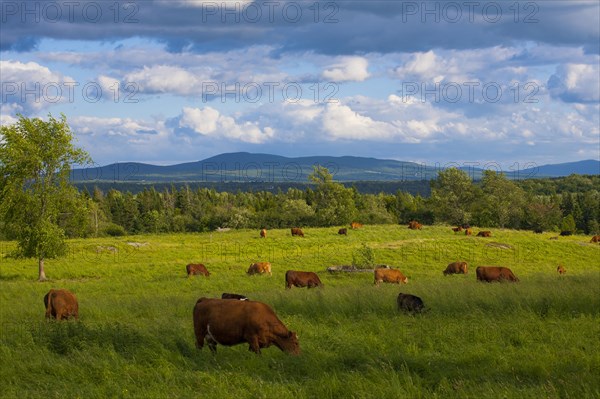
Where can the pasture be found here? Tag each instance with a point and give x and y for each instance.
(536, 338)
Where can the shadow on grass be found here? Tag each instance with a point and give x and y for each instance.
(65, 337)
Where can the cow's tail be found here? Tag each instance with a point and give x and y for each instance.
(48, 302)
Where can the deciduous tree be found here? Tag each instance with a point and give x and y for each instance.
(35, 162)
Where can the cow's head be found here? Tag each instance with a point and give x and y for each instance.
(289, 343)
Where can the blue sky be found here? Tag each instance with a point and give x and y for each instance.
(433, 82)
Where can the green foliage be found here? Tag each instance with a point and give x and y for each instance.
(37, 200)
(363, 257)
(114, 230)
(452, 196)
(568, 224)
(501, 204)
(542, 214)
(333, 203)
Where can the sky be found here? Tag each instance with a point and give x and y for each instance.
(168, 81)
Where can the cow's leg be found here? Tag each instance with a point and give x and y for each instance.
(254, 345)
(212, 345)
(200, 334)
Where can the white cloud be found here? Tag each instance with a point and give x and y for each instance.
(203, 121)
(33, 86)
(7, 113)
(209, 4)
(347, 69)
(108, 84)
(341, 122)
(576, 83)
(209, 122)
(456, 65)
(127, 128)
(165, 79)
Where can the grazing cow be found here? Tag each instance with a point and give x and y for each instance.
(259, 268)
(296, 231)
(343, 231)
(456, 268)
(484, 234)
(197, 268)
(61, 304)
(238, 297)
(595, 239)
(355, 225)
(468, 232)
(560, 269)
(410, 303)
(302, 279)
(457, 229)
(263, 233)
(389, 276)
(414, 225)
(538, 230)
(226, 322)
(566, 233)
(495, 273)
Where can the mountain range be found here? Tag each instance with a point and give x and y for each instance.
(244, 167)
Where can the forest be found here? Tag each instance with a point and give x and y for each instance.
(562, 204)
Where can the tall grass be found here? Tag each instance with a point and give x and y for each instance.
(537, 338)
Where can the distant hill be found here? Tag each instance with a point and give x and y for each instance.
(588, 167)
(244, 167)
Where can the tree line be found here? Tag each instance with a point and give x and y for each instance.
(455, 199)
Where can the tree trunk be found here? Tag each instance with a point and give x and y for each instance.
(42, 274)
(96, 222)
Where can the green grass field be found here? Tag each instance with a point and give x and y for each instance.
(539, 338)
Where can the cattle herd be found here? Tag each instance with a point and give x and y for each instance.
(234, 319)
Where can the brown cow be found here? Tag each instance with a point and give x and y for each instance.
(595, 239)
(495, 273)
(302, 279)
(343, 231)
(389, 276)
(457, 229)
(61, 304)
(238, 297)
(227, 322)
(560, 269)
(263, 233)
(468, 232)
(296, 231)
(456, 268)
(197, 268)
(355, 225)
(259, 268)
(484, 234)
(414, 225)
(410, 303)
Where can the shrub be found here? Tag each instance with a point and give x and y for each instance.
(114, 230)
(363, 257)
